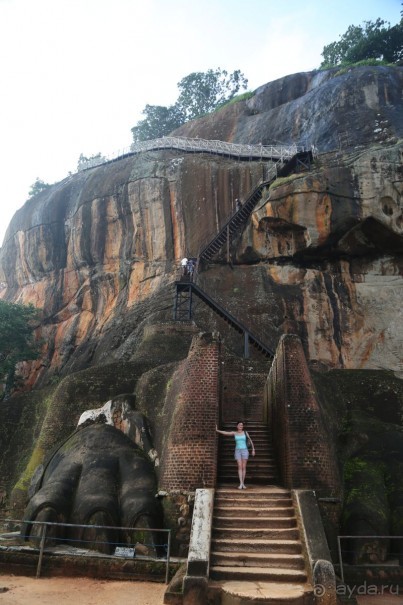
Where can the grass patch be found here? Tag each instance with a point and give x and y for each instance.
(242, 97)
(343, 68)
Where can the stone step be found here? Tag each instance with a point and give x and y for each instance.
(254, 477)
(252, 502)
(267, 574)
(256, 460)
(257, 559)
(260, 593)
(253, 433)
(260, 449)
(254, 523)
(256, 438)
(229, 458)
(253, 464)
(263, 479)
(249, 426)
(232, 544)
(261, 493)
(246, 534)
(252, 511)
(259, 455)
(229, 447)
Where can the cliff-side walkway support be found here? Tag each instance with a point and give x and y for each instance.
(183, 310)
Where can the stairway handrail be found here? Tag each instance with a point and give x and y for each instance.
(239, 150)
(206, 298)
(282, 171)
(230, 217)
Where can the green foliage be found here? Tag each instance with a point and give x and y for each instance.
(242, 97)
(16, 340)
(158, 122)
(199, 94)
(372, 40)
(366, 62)
(92, 160)
(202, 92)
(38, 186)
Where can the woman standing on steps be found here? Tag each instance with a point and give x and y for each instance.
(241, 450)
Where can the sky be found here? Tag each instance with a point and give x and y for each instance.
(75, 75)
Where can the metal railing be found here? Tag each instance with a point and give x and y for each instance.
(271, 175)
(15, 541)
(238, 150)
(374, 538)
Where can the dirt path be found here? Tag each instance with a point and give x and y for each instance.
(22, 590)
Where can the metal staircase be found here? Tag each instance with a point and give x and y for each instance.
(300, 161)
(186, 288)
(183, 312)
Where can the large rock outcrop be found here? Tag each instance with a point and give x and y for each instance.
(329, 109)
(320, 257)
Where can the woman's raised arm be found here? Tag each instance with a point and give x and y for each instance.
(228, 433)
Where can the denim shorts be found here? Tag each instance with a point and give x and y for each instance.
(241, 454)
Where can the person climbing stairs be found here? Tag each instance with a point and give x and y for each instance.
(261, 468)
(256, 547)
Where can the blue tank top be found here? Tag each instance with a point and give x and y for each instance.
(240, 441)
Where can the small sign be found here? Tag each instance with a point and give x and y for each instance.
(127, 553)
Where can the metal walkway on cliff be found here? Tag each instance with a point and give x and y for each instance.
(231, 150)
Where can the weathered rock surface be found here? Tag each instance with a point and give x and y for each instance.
(321, 255)
(99, 251)
(328, 109)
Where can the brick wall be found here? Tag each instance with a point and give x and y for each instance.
(303, 448)
(190, 456)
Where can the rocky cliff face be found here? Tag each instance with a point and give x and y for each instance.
(329, 109)
(321, 256)
(99, 251)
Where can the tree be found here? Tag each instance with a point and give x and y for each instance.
(158, 122)
(17, 342)
(372, 40)
(38, 186)
(92, 160)
(200, 93)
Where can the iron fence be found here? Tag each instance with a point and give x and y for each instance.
(16, 541)
(370, 555)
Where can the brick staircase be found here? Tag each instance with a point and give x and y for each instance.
(256, 550)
